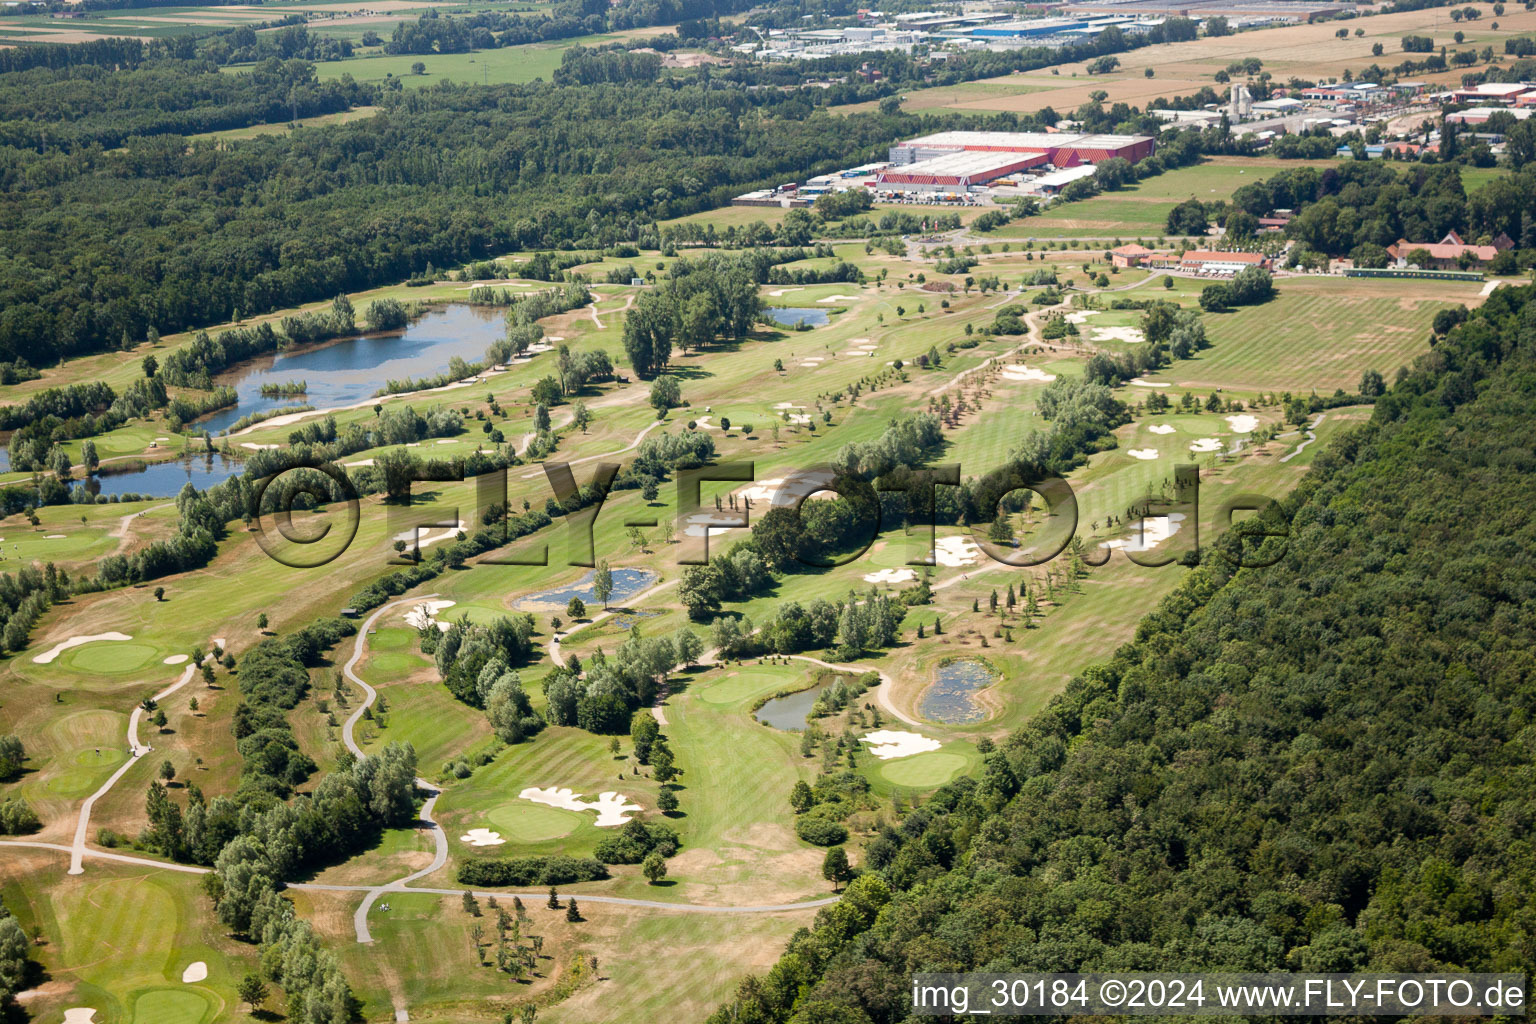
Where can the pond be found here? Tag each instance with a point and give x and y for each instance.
(626, 584)
(791, 316)
(166, 479)
(790, 712)
(352, 370)
(950, 699)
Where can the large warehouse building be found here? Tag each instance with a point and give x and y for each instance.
(1060, 149)
(958, 169)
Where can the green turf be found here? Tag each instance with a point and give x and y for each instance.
(521, 820)
(923, 771)
(171, 1006)
(111, 658)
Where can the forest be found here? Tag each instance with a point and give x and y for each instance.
(1324, 765)
(97, 251)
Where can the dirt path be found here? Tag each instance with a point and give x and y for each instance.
(121, 532)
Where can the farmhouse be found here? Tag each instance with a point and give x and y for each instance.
(1450, 253)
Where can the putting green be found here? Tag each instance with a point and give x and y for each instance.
(91, 765)
(111, 658)
(171, 1006)
(525, 822)
(925, 770)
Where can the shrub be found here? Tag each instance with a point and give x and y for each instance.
(819, 831)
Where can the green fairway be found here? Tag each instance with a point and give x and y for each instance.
(923, 771)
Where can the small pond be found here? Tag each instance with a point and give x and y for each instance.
(950, 699)
(626, 584)
(166, 479)
(789, 713)
(792, 316)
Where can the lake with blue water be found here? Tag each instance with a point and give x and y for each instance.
(352, 370)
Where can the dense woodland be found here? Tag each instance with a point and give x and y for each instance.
(1325, 765)
(100, 246)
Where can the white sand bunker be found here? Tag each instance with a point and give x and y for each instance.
(425, 613)
(1143, 453)
(779, 491)
(955, 552)
(1138, 382)
(197, 970)
(54, 536)
(1152, 531)
(1129, 335)
(838, 298)
(612, 809)
(1018, 371)
(787, 405)
(1081, 316)
(890, 576)
(1162, 428)
(447, 440)
(359, 462)
(253, 446)
(1206, 444)
(703, 423)
(175, 659)
(421, 538)
(1242, 424)
(80, 1015)
(75, 641)
(813, 361)
(799, 419)
(784, 291)
(700, 523)
(886, 744)
(482, 837)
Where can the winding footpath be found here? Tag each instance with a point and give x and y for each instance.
(440, 839)
(1311, 432)
(136, 750)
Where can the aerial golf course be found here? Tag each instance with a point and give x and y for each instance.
(743, 760)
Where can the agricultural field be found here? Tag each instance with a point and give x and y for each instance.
(987, 650)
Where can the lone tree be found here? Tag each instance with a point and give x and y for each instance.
(167, 771)
(800, 797)
(572, 912)
(554, 899)
(835, 867)
(654, 867)
(261, 620)
(666, 801)
(471, 907)
(602, 582)
(159, 720)
(252, 991)
(576, 609)
(159, 593)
